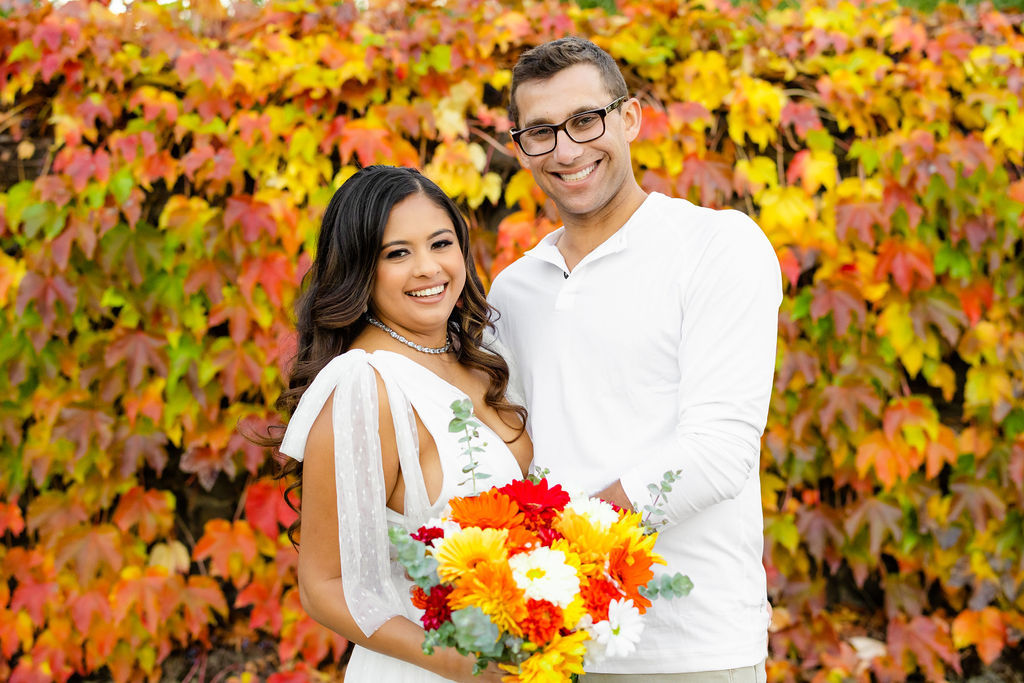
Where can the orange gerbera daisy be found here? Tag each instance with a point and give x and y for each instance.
(491, 587)
(597, 593)
(490, 510)
(631, 570)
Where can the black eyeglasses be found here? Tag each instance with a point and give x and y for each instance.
(583, 127)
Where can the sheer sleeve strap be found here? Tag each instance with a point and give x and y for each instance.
(359, 483)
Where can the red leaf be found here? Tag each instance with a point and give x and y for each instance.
(266, 508)
(206, 462)
(90, 549)
(802, 116)
(83, 426)
(265, 603)
(927, 639)
(253, 216)
(369, 143)
(910, 265)
(712, 176)
(895, 197)
(843, 301)
(850, 402)
(153, 597)
(975, 299)
(861, 217)
(202, 598)
(274, 272)
(979, 500)
(205, 66)
(44, 293)
(33, 596)
(984, 629)
(236, 361)
(881, 519)
(140, 352)
(87, 607)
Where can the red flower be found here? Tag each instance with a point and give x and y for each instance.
(548, 536)
(543, 622)
(539, 502)
(426, 534)
(434, 605)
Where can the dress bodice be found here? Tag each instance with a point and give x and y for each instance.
(366, 554)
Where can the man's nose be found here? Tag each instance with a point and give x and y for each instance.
(567, 150)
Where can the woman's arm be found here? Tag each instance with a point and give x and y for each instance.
(320, 583)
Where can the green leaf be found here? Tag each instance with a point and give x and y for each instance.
(121, 185)
(474, 632)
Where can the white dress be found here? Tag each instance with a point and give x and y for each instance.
(375, 585)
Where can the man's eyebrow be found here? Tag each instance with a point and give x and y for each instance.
(545, 122)
(395, 243)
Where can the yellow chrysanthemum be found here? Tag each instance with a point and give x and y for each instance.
(460, 552)
(562, 657)
(590, 542)
(572, 614)
(491, 587)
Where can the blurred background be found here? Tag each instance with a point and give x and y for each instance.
(163, 170)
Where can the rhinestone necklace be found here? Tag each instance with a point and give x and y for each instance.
(424, 349)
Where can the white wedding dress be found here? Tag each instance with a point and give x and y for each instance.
(375, 585)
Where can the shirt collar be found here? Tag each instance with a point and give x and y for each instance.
(547, 249)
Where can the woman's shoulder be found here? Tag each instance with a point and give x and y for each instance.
(349, 374)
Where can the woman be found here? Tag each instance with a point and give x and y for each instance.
(390, 335)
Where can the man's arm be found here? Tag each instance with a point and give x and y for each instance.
(726, 365)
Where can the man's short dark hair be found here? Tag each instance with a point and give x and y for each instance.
(544, 61)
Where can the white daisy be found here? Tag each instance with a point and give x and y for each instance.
(542, 574)
(596, 511)
(618, 635)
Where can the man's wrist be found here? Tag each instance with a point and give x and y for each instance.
(614, 493)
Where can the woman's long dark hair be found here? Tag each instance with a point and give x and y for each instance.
(336, 293)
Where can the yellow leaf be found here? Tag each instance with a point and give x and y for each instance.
(172, 556)
(755, 108)
(757, 173)
(702, 77)
(519, 189)
(787, 216)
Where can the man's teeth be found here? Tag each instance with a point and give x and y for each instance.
(579, 175)
(428, 292)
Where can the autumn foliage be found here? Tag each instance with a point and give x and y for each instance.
(164, 170)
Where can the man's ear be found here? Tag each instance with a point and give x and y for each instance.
(631, 118)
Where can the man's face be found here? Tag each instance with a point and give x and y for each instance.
(581, 178)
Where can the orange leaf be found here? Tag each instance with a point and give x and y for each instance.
(151, 511)
(229, 546)
(984, 629)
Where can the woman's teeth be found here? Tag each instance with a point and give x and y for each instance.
(431, 291)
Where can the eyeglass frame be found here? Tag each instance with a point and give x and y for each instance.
(600, 111)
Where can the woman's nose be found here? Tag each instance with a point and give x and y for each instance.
(426, 264)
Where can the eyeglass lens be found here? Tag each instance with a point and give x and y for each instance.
(584, 127)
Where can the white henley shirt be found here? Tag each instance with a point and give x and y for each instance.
(657, 353)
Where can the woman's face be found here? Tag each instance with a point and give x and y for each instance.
(420, 271)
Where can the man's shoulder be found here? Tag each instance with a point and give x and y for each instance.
(681, 220)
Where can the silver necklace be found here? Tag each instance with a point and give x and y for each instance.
(424, 349)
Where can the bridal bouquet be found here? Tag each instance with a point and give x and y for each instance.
(535, 579)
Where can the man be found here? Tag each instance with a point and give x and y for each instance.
(644, 331)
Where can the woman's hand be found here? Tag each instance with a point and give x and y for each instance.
(457, 667)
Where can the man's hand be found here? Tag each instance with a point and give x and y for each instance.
(614, 493)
